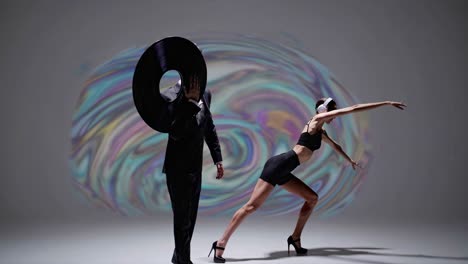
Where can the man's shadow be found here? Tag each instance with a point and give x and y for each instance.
(340, 252)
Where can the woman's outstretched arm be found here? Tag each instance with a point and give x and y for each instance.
(357, 108)
(338, 149)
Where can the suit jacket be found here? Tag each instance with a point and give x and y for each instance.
(191, 127)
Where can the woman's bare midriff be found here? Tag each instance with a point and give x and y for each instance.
(303, 153)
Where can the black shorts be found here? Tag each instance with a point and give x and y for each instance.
(278, 168)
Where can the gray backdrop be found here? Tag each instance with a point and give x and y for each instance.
(414, 51)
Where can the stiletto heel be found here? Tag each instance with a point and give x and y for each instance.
(216, 259)
(299, 250)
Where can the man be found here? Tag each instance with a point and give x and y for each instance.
(192, 125)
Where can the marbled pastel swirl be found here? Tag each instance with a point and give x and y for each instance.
(263, 94)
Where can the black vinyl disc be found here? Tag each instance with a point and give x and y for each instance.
(172, 53)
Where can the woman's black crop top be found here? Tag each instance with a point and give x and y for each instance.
(310, 141)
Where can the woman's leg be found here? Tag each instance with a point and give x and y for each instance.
(299, 188)
(260, 193)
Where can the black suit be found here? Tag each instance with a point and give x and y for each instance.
(183, 164)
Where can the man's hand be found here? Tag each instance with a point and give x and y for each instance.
(193, 91)
(220, 168)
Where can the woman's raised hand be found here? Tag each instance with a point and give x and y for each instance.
(398, 105)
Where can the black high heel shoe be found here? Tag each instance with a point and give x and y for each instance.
(299, 250)
(216, 259)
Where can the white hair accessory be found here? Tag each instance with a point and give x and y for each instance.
(323, 107)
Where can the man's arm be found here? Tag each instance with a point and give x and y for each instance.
(211, 139)
(211, 136)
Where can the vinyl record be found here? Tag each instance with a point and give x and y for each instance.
(172, 53)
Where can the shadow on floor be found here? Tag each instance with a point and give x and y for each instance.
(341, 252)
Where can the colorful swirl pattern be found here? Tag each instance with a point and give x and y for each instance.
(263, 94)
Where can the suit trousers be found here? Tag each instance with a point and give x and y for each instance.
(184, 190)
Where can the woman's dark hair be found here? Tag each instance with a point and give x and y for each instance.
(330, 106)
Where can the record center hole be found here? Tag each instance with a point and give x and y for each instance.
(169, 79)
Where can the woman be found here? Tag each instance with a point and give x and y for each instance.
(277, 171)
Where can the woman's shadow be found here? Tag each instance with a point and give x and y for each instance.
(339, 252)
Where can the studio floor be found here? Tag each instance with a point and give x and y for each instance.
(258, 240)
